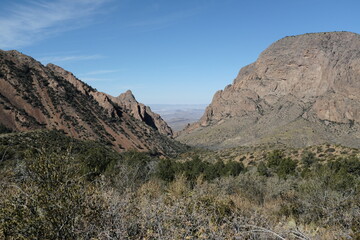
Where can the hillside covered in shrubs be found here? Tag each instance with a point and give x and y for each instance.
(55, 187)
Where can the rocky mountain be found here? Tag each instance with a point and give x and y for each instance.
(302, 90)
(33, 96)
(142, 112)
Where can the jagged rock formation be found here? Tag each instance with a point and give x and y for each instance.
(125, 100)
(302, 90)
(142, 112)
(34, 96)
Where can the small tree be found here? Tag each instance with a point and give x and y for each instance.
(308, 158)
(281, 165)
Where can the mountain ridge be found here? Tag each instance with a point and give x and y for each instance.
(34, 96)
(312, 79)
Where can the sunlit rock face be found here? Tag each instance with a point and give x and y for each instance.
(313, 79)
(34, 96)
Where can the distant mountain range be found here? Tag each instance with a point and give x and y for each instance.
(302, 90)
(33, 96)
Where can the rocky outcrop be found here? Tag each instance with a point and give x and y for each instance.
(312, 78)
(125, 100)
(34, 96)
(142, 112)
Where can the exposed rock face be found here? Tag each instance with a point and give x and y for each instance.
(34, 96)
(311, 79)
(125, 100)
(142, 112)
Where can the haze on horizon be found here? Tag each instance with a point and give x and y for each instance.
(166, 52)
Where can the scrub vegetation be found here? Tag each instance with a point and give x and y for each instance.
(55, 187)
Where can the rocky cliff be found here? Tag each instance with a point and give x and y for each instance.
(302, 90)
(34, 96)
(125, 100)
(142, 112)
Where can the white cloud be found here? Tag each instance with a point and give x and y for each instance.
(54, 59)
(24, 24)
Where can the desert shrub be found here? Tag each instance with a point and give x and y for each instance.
(350, 165)
(263, 170)
(252, 186)
(233, 168)
(274, 158)
(51, 202)
(168, 169)
(192, 169)
(130, 170)
(281, 166)
(142, 164)
(308, 158)
(48, 195)
(326, 197)
(96, 159)
(287, 167)
(200, 212)
(213, 171)
(320, 204)
(306, 172)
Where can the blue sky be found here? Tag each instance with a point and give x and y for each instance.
(165, 51)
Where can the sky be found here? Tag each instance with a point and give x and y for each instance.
(165, 51)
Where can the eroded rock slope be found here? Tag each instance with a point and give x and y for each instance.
(302, 90)
(33, 96)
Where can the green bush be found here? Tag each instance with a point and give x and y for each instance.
(350, 165)
(281, 166)
(168, 169)
(233, 168)
(96, 160)
(274, 158)
(308, 158)
(287, 167)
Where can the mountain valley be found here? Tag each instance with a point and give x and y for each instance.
(276, 155)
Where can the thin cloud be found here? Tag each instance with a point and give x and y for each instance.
(100, 72)
(24, 24)
(164, 21)
(54, 59)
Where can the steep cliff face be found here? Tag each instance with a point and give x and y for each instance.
(142, 112)
(34, 96)
(309, 82)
